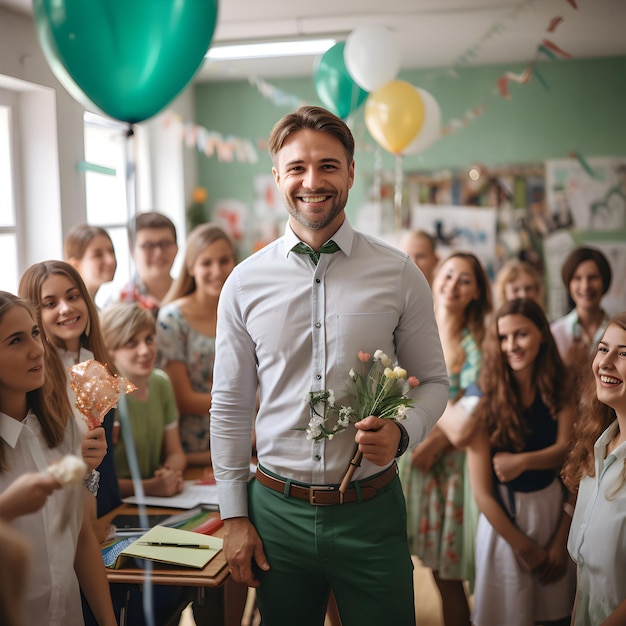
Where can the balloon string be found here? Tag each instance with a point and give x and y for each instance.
(397, 196)
(135, 474)
(131, 200)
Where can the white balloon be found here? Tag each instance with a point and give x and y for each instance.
(431, 128)
(372, 56)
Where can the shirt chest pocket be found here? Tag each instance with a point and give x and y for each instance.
(365, 332)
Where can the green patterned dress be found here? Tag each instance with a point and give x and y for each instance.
(441, 510)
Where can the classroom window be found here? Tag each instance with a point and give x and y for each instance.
(106, 165)
(8, 227)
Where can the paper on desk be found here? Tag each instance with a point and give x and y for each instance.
(191, 496)
(189, 557)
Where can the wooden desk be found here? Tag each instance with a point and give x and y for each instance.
(214, 574)
(227, 598)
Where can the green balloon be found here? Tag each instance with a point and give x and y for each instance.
(334, 85)
(129, 58)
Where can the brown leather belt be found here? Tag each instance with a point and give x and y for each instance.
(325, 495)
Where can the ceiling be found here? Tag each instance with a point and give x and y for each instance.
(429, 33)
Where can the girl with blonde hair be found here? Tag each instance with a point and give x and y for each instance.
(518, 279)
(186, 333)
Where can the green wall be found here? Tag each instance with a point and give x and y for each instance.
(580, 110)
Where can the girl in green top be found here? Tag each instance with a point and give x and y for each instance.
(129, 333)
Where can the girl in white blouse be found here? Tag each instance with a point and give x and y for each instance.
(35, 431)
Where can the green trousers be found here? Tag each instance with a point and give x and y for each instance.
(359, 550)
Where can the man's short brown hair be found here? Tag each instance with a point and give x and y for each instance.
(310, 118)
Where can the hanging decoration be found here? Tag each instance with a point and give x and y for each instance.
(521, 78)
(211, 143)
(279, 97)
(553, 51)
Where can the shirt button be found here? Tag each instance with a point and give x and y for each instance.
(318, 325)
(319, 377)
(317, 457)
(318, 281)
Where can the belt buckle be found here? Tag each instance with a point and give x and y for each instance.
(313, 489)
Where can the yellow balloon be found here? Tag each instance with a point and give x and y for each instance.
(394, 114)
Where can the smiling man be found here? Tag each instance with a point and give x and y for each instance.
(291, 320)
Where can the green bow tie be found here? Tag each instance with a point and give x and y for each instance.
(328, 248)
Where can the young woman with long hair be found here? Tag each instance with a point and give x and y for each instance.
(595, 469)
(440, 507)
(186, 333)
(68, 320)
(523, 427)
(37, 430)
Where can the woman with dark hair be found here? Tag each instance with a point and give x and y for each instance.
(586, 275)
(595, 468)
(523, 426)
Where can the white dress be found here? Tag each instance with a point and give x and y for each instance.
(512, 595)
(597, 537)
(505, 593)
(52, 595)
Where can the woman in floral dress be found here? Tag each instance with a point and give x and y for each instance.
(440, 507)
(186, 333)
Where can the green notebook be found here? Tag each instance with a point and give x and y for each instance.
(184, 551)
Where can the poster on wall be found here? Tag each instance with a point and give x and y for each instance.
(615, 251)
(269, 213)
(590, 196)
(470, 229)
(593, 195)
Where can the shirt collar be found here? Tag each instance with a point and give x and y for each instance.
(574, 324)
(10, 429)
(343, 237)
(601, 444)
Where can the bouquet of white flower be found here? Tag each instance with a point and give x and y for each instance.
(377, 389)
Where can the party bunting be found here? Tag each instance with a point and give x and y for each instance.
(546, 47)
(211, 143)
(554, 23)
(458, 123)
(277, 96)
(546, 43)
(540, 78)
(522, 78)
